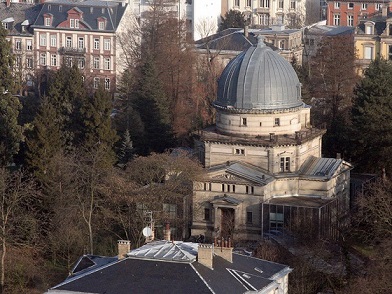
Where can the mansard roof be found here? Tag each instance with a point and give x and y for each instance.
(90, 11)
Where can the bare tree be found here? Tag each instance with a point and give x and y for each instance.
(16, 190)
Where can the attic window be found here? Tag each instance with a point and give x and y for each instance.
(369, 29)
(48, 21)
(49, 7)
(60, 8)
(101, 25)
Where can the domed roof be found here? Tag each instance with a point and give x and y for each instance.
(259, 79)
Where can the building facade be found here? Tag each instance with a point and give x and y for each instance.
(349, 12)
(202, 17)
(263, 156)
(372, 39)
(264, 13)
(66, 32)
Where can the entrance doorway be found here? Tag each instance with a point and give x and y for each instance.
(227, 223)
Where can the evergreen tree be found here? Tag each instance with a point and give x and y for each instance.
(96, 122)
(66, 90)
(372, 119)
(126, 148)
(10, 131)
(152, 104)
(232, 19)
(44, 140)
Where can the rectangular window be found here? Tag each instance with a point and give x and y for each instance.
(107, 44)
(249, 217)
(284, 164)
(53, 60)
(223, 187)
(96, 44)
(68, 42)
(277, 122)
(76, 23)
(250, 190)
(239, 151)
(248, 3)
(29, 45)
(18, 44)
(244, 121)
(170, 210)
(207, 186)
(368, 52)
(42, 40)
(18, 61)
(237, 3)
(207, 214)
(265, 3)
(336, 19)
(350, 20)
(364, 6)
(264, 19)
(280, 5)
(390, 52)
(96, 83)
(96, 63)
(81, 63)
(101, 25)
(350, 5)
(53, 40)
(72, 23)
(29, 62)
(81, 43)
(107, 64)
(47, 21)
(292, 4)
(337, 5)
(378, 6)
(42, 59)
(107, 84)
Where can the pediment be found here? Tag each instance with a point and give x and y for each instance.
(229, 177)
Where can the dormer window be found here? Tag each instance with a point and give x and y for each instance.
(60, 8)
(101, 25)
(74, 23)
(369, 28)
(47, 21)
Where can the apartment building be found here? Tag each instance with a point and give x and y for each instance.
(202, 16)
(264, 13)
(44, 36)
(349, 12)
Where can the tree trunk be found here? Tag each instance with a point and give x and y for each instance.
(2, 269)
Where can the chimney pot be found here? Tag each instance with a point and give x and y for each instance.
(124, 246)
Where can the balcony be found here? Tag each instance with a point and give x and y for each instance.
(72, 51)
(262, 10)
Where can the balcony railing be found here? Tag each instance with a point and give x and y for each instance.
(72, 51)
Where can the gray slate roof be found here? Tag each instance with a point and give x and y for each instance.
(149, 269)
(20, 12)
(92, 10)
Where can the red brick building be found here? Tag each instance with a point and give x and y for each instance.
(349, 12)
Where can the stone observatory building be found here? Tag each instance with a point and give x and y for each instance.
(264, 167)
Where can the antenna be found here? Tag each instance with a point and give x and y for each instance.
(148, 231)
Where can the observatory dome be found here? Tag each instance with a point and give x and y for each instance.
(259, 79)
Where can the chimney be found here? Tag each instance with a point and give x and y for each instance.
(205, 254)
(338, 156)
(246, 31)
(124, 247)
(224, 249)
(8, 3)
(166, 232)
(272, 137)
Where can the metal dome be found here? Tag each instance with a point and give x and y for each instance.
(259, 79)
